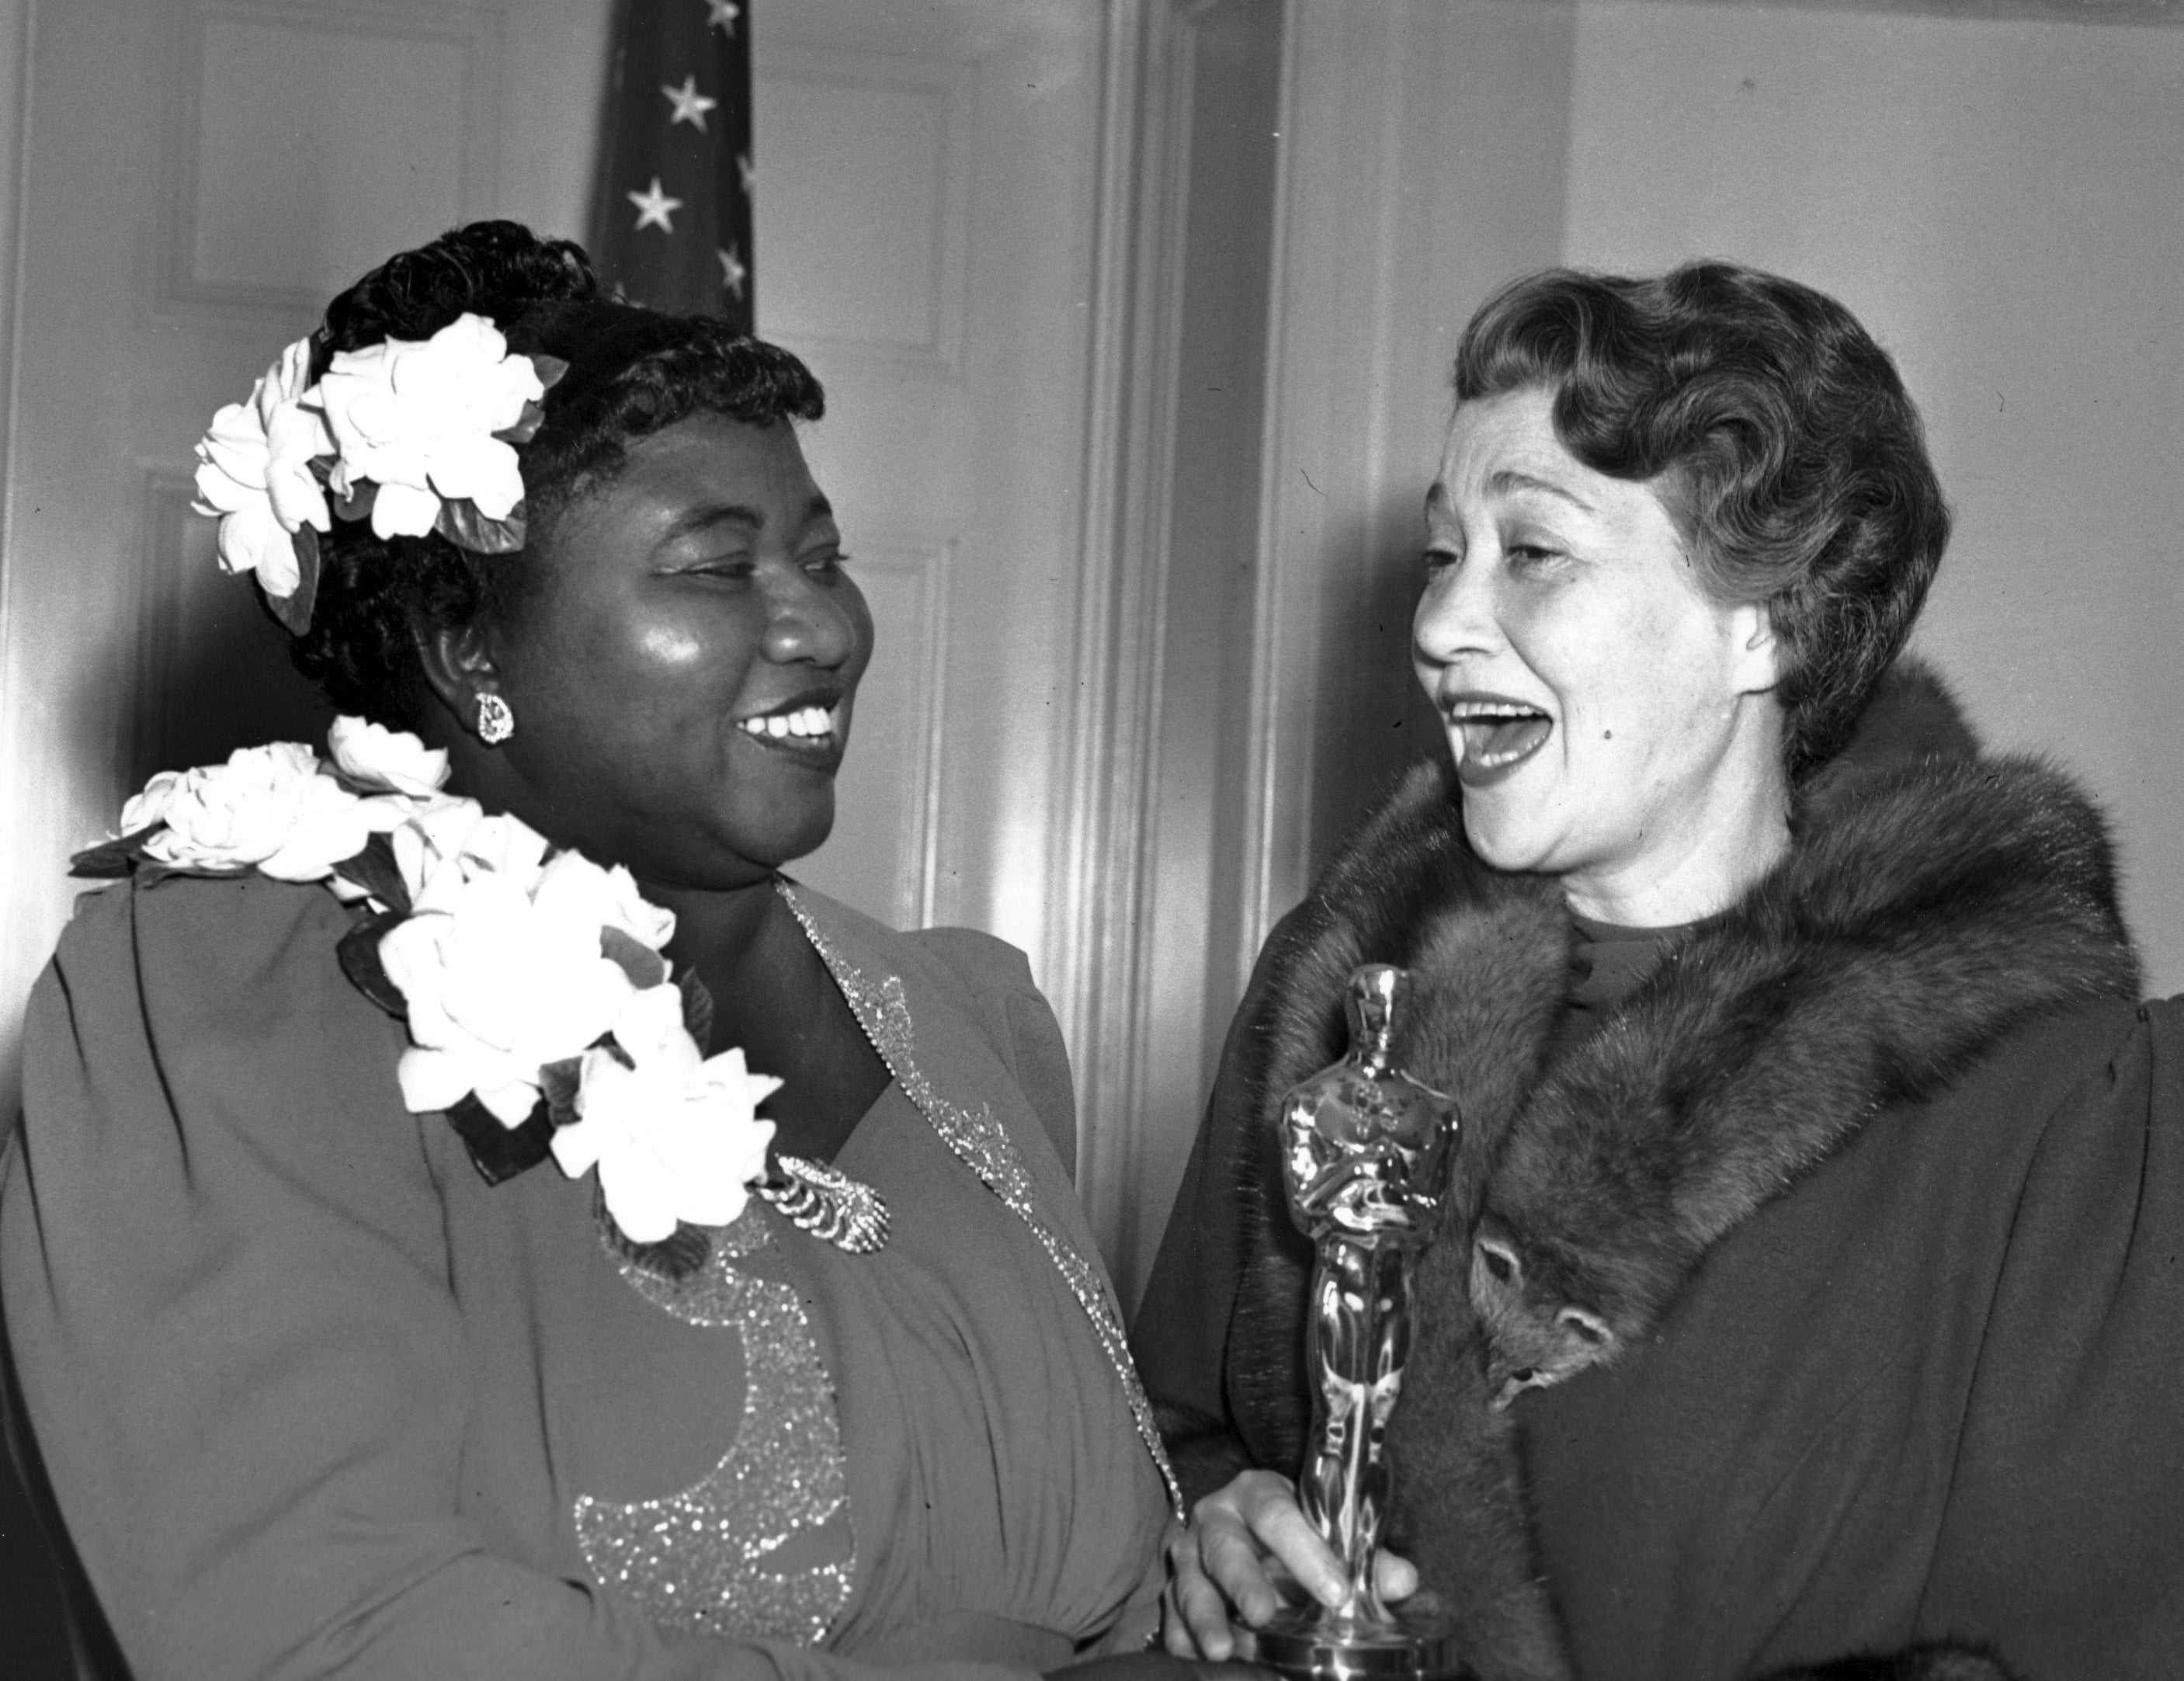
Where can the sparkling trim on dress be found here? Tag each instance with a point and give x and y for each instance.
(828, 1204)
(695, 1560)
(882, 1009)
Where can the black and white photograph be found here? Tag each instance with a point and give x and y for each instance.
(1092, 840)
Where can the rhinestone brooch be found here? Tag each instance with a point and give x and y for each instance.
(830, 1205)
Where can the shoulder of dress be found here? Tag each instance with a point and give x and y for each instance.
(966, 957)
(219, 916)
(2070, 1071)
(212, 950)
(2118, 1046)
(983, 961)
(214, 1010)
(2087, 1036)
(2164, 1018)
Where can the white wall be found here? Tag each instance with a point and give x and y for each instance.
(2001, 200)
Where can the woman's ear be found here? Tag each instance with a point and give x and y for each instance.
(459, 665)
(1755, 652)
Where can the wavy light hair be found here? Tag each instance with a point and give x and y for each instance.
(1779, 437)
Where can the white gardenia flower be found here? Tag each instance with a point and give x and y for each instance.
(391, 761)
(456, 834)
(150, 806)
(676, 1138)
(267, 808)
(255, 472)
(295, 432)
(502, 969)
(251, 540)
(575, 888)
(418, 419)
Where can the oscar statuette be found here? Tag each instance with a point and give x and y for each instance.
(1366, 1152)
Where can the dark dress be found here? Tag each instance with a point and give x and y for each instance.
(315, 1399)
(1917, 1457)
(1924, 1383)
(1936, 1393)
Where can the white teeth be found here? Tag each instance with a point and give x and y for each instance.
(1473, 749)
(805, 721)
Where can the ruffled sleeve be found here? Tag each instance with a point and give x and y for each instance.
(225, 1265)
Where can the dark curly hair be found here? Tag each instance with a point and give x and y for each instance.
(631, 371)
(1782, 441)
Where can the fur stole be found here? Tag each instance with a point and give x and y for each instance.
(1931, 900)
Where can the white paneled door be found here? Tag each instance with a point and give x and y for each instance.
(927, 193)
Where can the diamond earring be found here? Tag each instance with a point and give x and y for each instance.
(495, 722)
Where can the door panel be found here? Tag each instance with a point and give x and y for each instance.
(927, 183)
(884, 856)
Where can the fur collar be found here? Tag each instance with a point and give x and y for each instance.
(1931, 900)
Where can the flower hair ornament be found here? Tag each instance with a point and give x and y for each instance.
(542, 1018)
(416, 435)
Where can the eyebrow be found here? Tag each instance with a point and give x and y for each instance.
(1504, 482)
(705, 517)
(1507, 480)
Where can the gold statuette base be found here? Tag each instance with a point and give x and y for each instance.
(1309, 1643)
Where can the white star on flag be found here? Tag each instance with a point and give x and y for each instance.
(655, 208)
(690, 105)
(750, 176)
(698, 59)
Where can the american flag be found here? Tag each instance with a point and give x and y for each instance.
(672, 226)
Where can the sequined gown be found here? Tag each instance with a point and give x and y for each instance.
(311, 1397)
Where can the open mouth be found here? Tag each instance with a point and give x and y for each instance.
(1498, 734)
(804, 728)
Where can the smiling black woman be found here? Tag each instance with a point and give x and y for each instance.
(565, 1247)
(684, 655)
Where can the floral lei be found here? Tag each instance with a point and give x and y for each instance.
(542, 1018)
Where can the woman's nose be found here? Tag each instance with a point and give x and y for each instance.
(809, 623)
(1456, 614)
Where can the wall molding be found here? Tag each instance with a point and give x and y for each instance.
(930, 562)
(1335, 454)
(177, 291)
(955, 81)
(25, 896)
(1098, 936)
(1278, 739)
